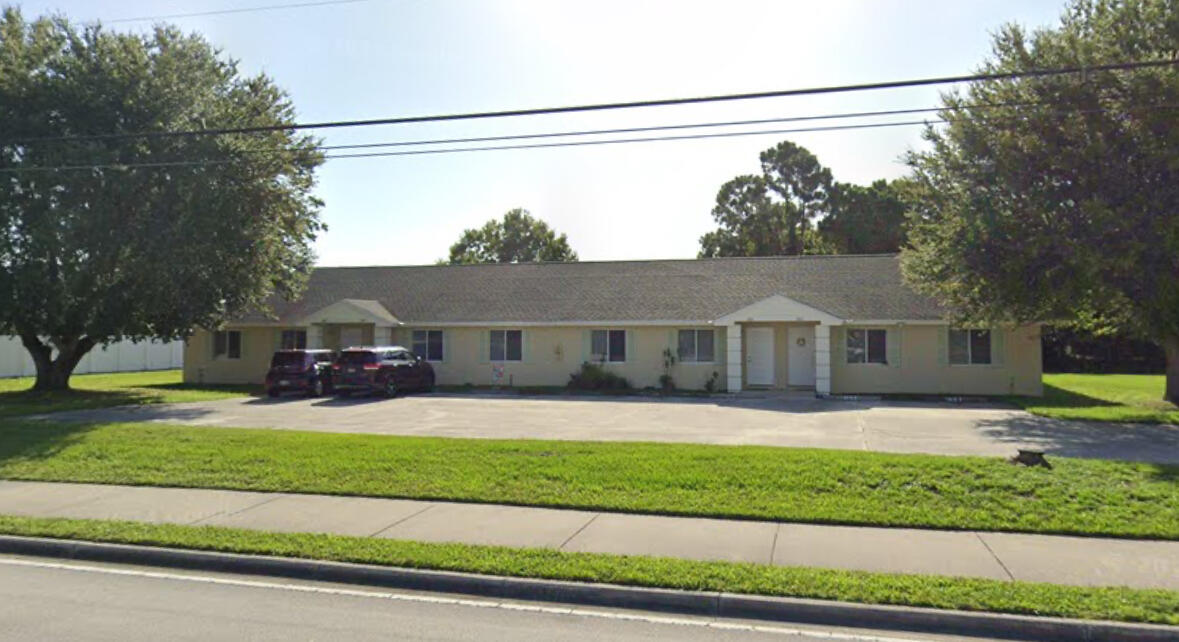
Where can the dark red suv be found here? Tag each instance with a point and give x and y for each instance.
(307, 371)
(385, 369)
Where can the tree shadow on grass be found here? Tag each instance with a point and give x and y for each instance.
(35, 440)
(18, 403)
(253, 390)
(27, 402)
(1056, 397)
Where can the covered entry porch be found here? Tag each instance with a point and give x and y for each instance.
(778, 344)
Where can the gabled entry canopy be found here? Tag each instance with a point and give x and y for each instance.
(352, 311)
(778, 308)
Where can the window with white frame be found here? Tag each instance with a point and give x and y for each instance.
(696, 346)
(608, 345)
(427, 344)
(970, 347)
(227, 344)
(866, 345)
(294, 339)
(507, 345)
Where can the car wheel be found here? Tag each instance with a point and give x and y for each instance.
(428, 386)
(316, 388)
(390, 387)
(272, 392)
(343, 393)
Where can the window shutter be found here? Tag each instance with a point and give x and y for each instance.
(838, 345)
(630, 346)
(586, 345)
(998, 353)
(484, 346)
(445, 345)
(525, 339)
(893, 346)
(673, 343)
(943, 345)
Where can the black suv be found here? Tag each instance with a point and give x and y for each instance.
(307, 371)
(386, 369)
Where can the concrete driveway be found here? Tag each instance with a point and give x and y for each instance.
(902, 427)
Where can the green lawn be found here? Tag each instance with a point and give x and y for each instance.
(789, 484)
(1096, 603)
(1103, 397)
(114, 389)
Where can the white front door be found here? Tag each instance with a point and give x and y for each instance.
(759, 356)
(800, 355)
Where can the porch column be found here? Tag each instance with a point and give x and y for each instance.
(822, 359)
(733, 361)
(314, 336)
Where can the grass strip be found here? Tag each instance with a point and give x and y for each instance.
(113, 389)
(1094, 603)
(1089, 497)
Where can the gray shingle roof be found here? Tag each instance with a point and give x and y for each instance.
(849, 287)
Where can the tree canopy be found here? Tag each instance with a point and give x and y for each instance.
(106, 235)
(1062, 202)
(795, 207)
(865, 220)
(517, 238)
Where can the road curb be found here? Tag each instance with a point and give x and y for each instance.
(728, 605)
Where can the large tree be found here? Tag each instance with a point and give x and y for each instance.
(1064, 204)
(770, 214)
(517, 238)
(106, 235)
(865, 220)
(796, 176)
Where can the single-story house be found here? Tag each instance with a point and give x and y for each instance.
(832, 324)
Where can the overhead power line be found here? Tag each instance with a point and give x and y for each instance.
(665, 102)
(460, 150)
(201, 14)
(455, 150)
(181, 163)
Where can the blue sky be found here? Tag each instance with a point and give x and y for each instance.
(381, 58)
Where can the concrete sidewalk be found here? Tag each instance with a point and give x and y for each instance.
(1002, 556)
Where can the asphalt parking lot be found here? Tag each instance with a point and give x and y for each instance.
(884, 426)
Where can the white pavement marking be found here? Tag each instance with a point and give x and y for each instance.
(427, 599)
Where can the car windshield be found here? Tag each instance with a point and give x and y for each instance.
(287, 359)
(358, 357)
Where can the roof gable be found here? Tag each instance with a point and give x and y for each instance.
(778, 308)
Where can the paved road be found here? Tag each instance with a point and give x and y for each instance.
(935, 428)
(55, 600)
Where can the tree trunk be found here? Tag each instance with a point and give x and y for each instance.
(1171, 347)
(54, 373)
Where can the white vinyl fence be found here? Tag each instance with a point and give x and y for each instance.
(124, 356)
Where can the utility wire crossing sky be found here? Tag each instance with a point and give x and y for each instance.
(349, 61)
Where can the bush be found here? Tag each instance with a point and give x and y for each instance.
(666, 383)
(594, 377)
(711, 384)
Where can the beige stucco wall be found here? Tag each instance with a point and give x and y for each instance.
(923, 368)
(258, 344)
(551, 354)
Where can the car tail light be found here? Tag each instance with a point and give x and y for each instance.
(371, 366)
(335, 366)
